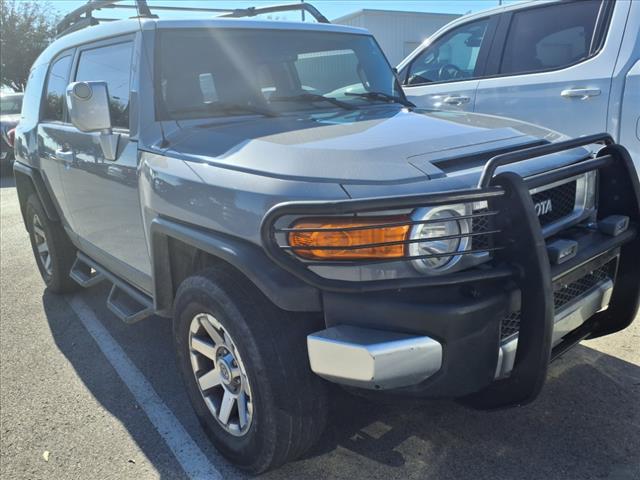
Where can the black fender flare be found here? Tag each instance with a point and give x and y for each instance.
(283, 289)
(29, 179)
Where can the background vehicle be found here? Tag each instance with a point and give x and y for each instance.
(275, 194)
(573, 66)
(10, 106)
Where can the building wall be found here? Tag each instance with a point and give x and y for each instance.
(398, 33)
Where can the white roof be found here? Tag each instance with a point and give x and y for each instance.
(128, 26)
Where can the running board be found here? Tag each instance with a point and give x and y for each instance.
(127, 302)
(84, 273)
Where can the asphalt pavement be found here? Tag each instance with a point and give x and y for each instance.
(84, 396)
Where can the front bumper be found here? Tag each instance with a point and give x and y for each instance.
(378, 359)
(459, 318)
(467, 332)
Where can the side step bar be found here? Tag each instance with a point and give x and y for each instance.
(84, 274)
(128, 303)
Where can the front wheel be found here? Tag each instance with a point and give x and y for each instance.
(244, 363)
(53, 251)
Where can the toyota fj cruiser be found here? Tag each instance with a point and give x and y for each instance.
(269, 187)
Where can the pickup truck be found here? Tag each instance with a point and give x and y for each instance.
(569, 65)
(268, 187)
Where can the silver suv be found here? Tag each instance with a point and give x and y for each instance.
(268, 187)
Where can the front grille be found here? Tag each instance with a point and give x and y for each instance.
(481, 225)
(562, 198)
(562, 202)
(564, 293)
(510, 325)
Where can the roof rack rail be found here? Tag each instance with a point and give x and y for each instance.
(82, 17)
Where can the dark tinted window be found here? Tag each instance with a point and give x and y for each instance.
(550, 37)
(451, 57)
(111, 64)
(56, 85)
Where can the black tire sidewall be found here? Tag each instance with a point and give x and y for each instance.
(252, 450)
(34, 208)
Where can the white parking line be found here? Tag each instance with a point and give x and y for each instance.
(195, 463)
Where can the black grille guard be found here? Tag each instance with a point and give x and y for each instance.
(518, 248)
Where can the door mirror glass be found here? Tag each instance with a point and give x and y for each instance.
(88, 106)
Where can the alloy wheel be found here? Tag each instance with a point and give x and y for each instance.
(42, 246)
(220, 374)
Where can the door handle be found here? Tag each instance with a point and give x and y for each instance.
(581, 93)
(456, 99)
(65, 155)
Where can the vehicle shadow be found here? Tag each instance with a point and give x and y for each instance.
(585, 424)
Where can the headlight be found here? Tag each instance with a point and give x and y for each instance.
(440, 233)
(351, 238)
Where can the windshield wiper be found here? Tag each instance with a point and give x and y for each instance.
(243, 107)
(312, 97)
(382, 96)
(223, 107)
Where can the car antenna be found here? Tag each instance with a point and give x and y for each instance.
(164, 143)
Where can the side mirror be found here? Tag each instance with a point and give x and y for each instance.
(88, 107)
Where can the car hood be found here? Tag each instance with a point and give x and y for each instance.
(383, 145)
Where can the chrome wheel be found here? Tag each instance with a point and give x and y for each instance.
(42, 246)
(220, 374)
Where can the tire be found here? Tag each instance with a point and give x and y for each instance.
(286, 406)
(56, 264)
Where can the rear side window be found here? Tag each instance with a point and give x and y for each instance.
(110, 64)
(56, 86)
(550, 37)
(31, 100)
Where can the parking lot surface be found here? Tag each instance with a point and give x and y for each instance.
(85, 396)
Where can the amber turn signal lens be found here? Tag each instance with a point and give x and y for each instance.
(321, 238)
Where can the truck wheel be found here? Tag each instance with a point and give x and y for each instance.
(245, 366)
(52, 249)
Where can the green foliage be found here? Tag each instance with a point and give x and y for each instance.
(26, 28)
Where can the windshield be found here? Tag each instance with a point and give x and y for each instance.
(10, 104)
(206, 72)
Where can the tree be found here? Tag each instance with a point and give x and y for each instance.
(26, 28)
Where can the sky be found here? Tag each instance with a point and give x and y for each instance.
(330, 8)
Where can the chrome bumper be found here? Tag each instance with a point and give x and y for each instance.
(373, 359)
(566, 320)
